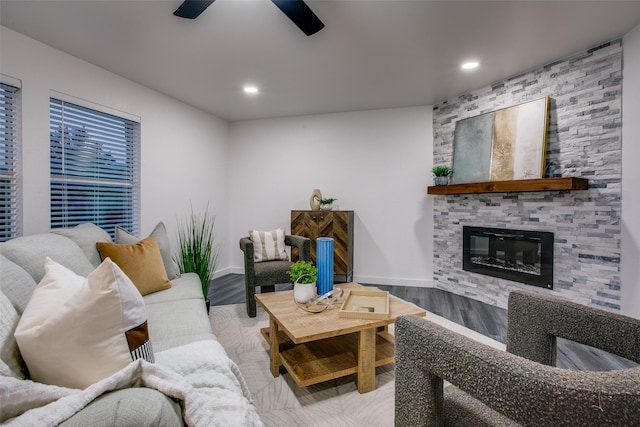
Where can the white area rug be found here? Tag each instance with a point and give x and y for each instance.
(280, 402)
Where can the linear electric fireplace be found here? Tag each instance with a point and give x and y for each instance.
(518, 255)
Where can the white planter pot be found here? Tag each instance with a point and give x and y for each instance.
(303, 292)
(441, 180)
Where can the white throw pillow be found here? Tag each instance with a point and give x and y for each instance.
(76, 331)
(268, 245)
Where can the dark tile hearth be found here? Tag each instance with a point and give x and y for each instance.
(476, 315)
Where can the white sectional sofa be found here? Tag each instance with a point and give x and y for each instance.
(192, 380)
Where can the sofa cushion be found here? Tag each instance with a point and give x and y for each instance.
(178, 315)
(141, 261)
(160, 234)
(268, 245)
(16, 284)
(86, 236)
(11, 363)
(76, 331)
(30, 252)
(138, 406)
(181, 288)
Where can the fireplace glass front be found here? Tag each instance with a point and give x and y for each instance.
(518, 255)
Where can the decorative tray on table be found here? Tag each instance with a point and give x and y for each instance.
(365, 303)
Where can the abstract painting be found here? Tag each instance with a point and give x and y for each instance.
(503, 145)
(472, 149)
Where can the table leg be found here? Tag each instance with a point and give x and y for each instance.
(275, 347)
(367, 360)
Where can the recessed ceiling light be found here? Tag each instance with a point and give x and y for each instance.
(470, 65)
(251, 90)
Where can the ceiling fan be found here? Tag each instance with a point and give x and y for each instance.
(296, 10)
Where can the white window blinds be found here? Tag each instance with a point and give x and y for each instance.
(10, 195)
(94, 168)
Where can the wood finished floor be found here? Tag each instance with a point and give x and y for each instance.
(478, 316)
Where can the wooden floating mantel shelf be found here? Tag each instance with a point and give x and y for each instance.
(515, 186)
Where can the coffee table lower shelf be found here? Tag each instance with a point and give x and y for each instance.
(318, 361)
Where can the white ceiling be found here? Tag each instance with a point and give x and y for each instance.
(371, 54)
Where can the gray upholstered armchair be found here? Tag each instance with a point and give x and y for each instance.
(267, 274)
(520, 386)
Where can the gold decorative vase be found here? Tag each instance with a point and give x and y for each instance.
(314, 200)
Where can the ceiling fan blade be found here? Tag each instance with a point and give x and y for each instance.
(191, 9)
(301, 15)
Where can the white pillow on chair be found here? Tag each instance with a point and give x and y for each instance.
(269, 245)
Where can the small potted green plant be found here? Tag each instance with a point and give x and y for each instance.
(303, 276)
(327, 204)
(441, 174)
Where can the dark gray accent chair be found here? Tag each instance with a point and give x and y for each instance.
(521, 386)
(267, 274)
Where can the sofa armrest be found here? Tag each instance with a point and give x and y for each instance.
(302, 243)
(534, 322)
(525, 391)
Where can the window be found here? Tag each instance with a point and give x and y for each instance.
(94, 168)
(10, 195)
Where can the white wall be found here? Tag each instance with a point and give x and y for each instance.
(630, 259)
(376, 163)
(184, 151)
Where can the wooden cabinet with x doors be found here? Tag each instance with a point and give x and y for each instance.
(335, 224)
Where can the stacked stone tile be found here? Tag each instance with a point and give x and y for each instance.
(584, 140)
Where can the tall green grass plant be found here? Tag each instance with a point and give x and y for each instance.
(196, 250)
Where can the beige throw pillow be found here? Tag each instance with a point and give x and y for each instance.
(160, 233)
(142, 262)
(76, 331)
(268, 245)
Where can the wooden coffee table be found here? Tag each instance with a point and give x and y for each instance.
(319, 347)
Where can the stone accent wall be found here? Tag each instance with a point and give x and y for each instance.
(584, 140)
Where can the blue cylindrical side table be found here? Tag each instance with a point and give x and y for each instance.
(324, 262)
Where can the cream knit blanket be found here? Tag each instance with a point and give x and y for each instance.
(209, 384)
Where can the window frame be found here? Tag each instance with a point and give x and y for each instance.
(94, 157)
